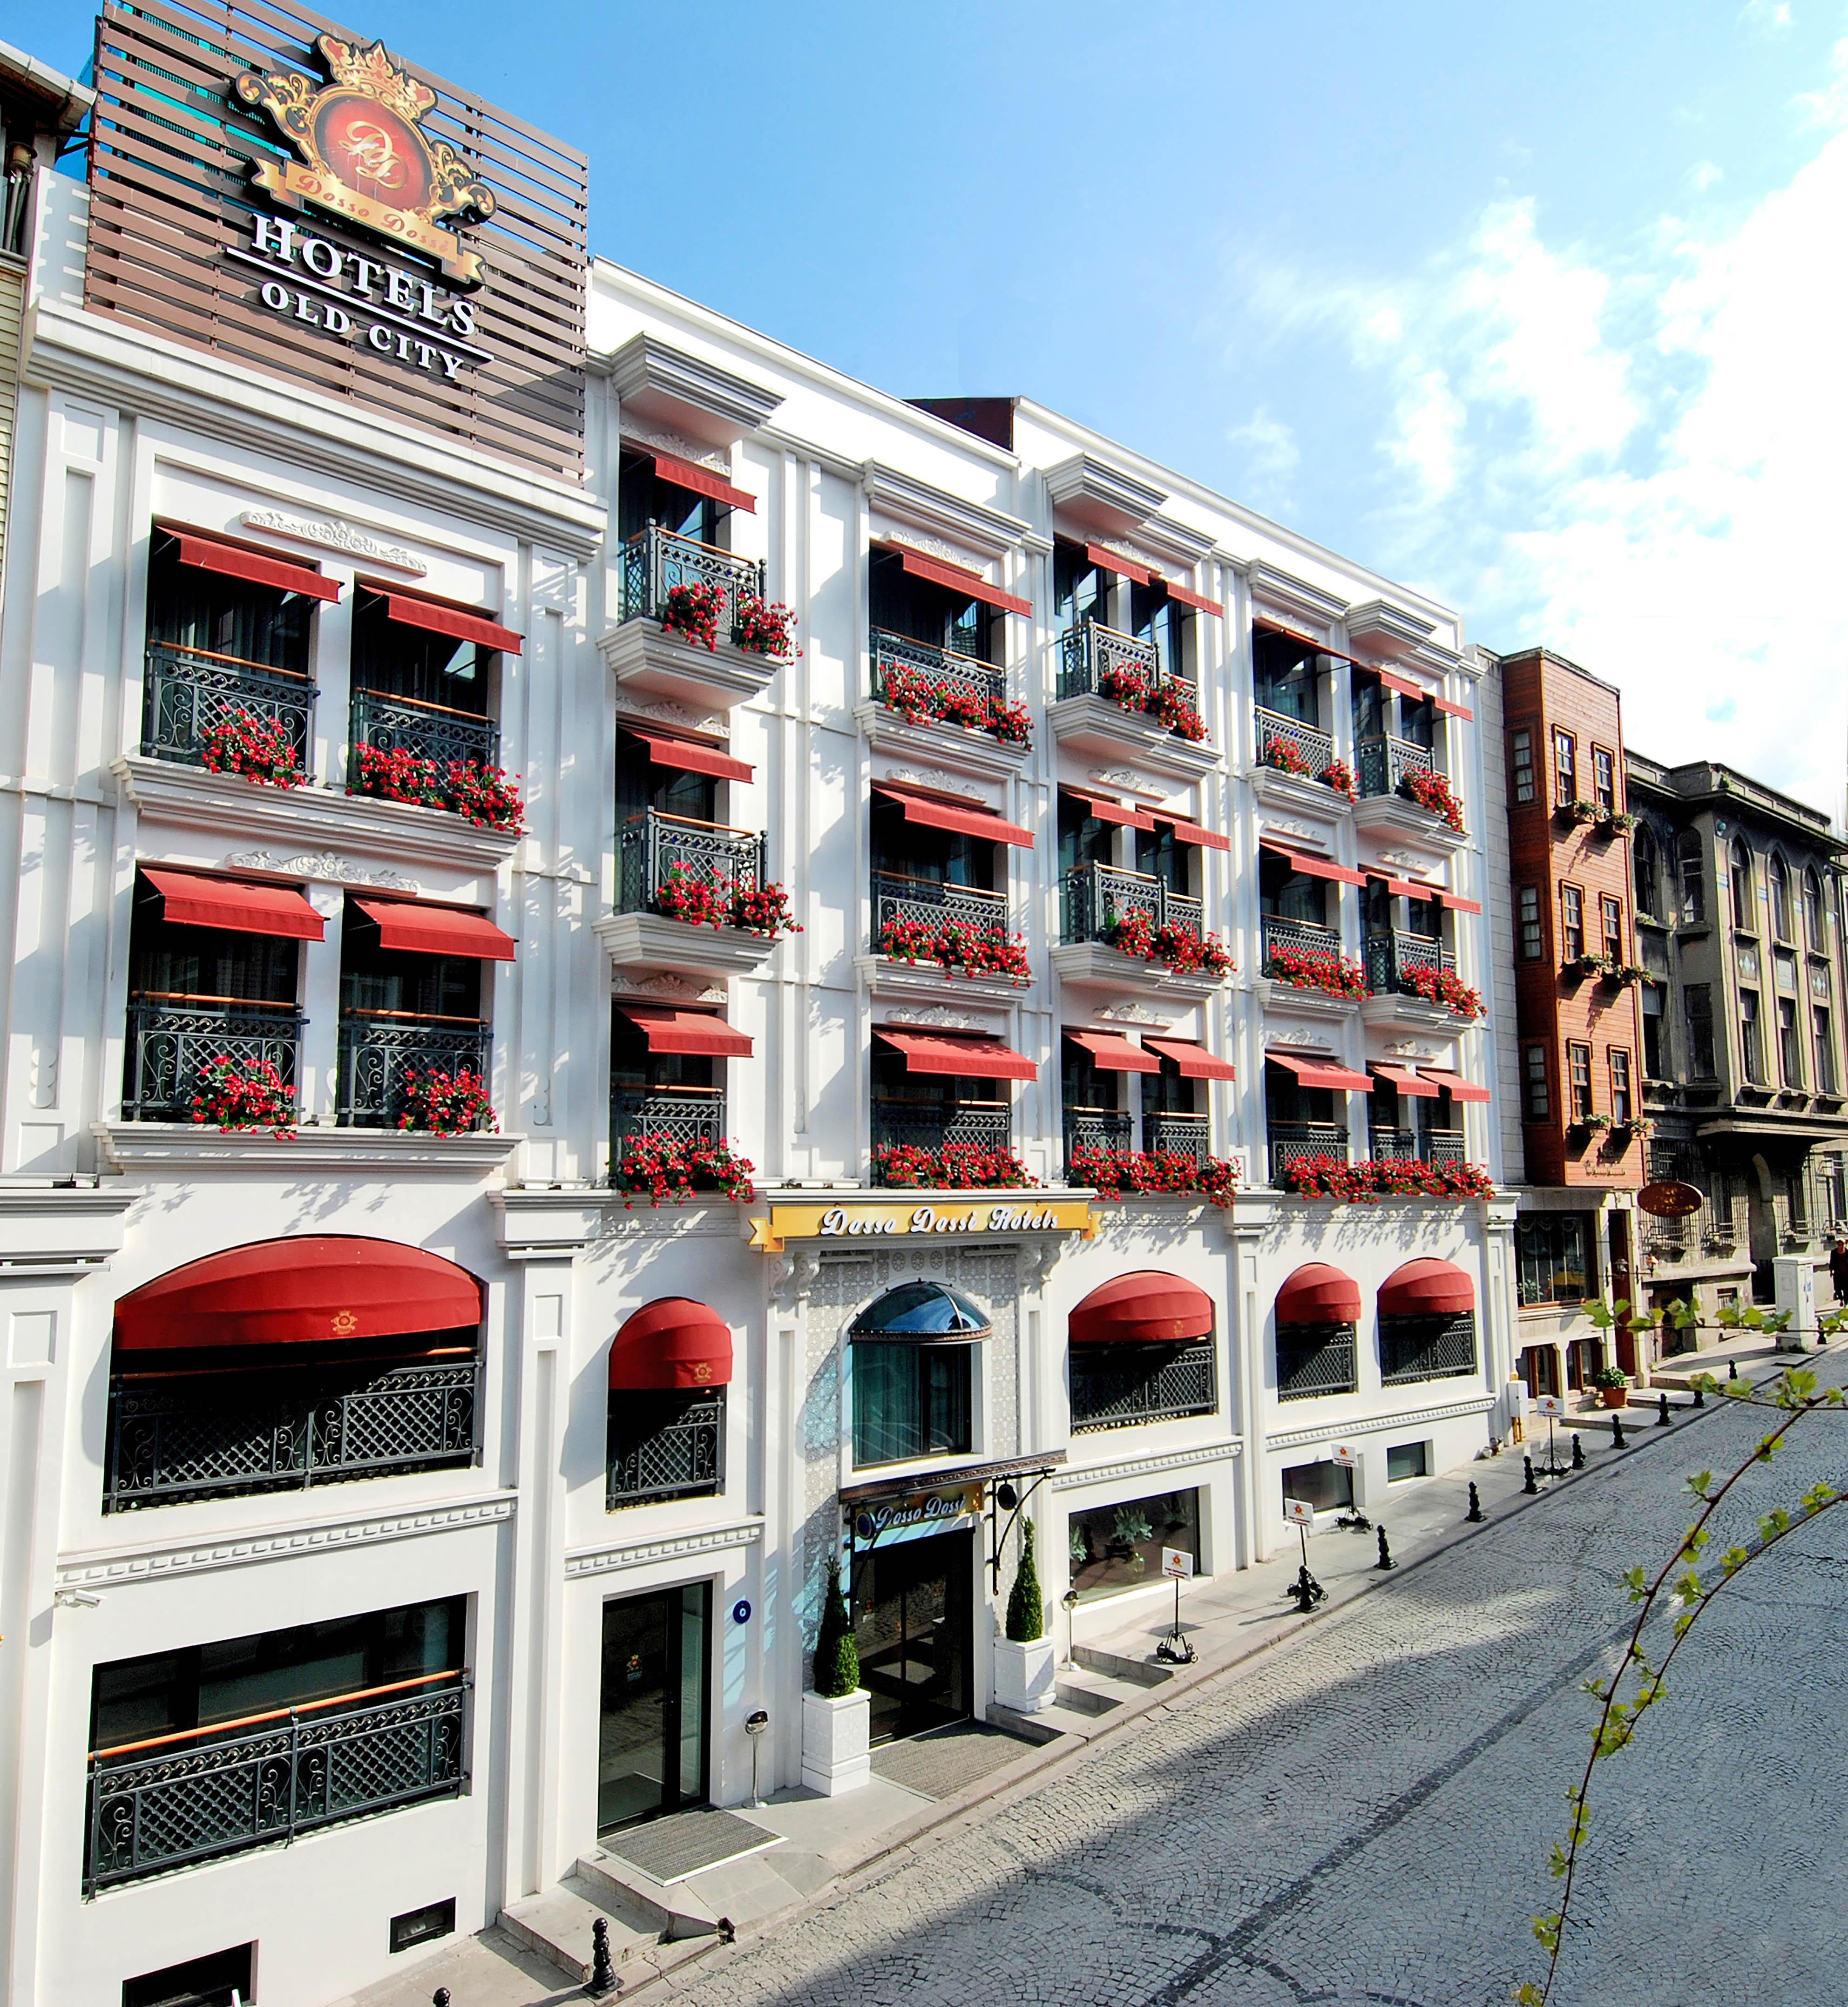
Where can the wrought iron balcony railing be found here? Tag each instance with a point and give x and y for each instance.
(1095, 897)
(188, 692)
(1290, 1142)
(432, 731)
(1119, 1386)
(655, 561)
(171, 1036)
(1097, 1129)
(671, 1446)
(1300, 937)
(1276, 729)
(174, 1800)
(212, 1436)
(1089, 652)
(1385, 1145)
(1443, 1146)
(1315, 1359)
(1178, 1135)
(668, 1114)
(982, 680)
(1391, 958)
(1380, 764)
(983, 1125)
(1432, 1146)
(1426, 1348)
(378, 1048)
(896, 896)
(652, 849)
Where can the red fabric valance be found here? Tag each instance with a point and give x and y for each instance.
(1195, 1062)
(444, 616)
(1198, 600)
(1270, 626)
(192, 899)
(958, 579)
(702, 480)
(421, 928)
(1116, 563)
(1106, 810)
(1460, 1088)
(672, 1343)
(687, 758)
(1319, 1294)
(699, 1031)
(1406, 888)
(1114, 1052)
(1426, 1289)
(942, 1053)
(1455, 901)
(1191, 832)
(1402, 685)
(1450, 710)
(1144, 1307)
(209, 553)
(1403, 1079)
(1320, 1073)
(1315, 867)
(970, 821)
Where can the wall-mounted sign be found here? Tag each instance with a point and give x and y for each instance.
(1669, 1199)
(878, 1217)
(925, 1512)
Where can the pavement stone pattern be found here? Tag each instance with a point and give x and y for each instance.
(1363, 1815)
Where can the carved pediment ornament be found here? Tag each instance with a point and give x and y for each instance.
(324, 864)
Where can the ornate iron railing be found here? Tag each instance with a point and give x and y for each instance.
(1380, 764)
(650, 846)
(1391, 957)
(1292, 1141)
(665, 1446)
(1097, 1129)
(1314, 1359)
(1180, 1135)
(674, 1114)
(1274, 728)
(1095, 896)
(986, 1125)
(171, 1038)
(378, 1048)
(1383, 1144)
(214, 1435)
(1303, 937)
(655, 560)
(195, 1796)
(1088, 652)
(187, 692)
(1426, 1348)
(1443, 1146)
(432, 731)
(1118, 1386)
(982, 680)
(897, 898)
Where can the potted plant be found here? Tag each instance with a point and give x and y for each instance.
(1613, 1386)
(837, 1712)
(1023, 1658)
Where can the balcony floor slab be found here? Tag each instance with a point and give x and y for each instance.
(644, 659)
(1281, 794)
(1413, 1013)
(647, 940)
(1093, 724)
(1392, 818)
(930, 981)
(1273, 996)
(1092, 965)
(954, 746)
(192, 1147)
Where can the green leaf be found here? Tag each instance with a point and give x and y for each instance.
(1733, 1559)
(1683, 1314)
(1527, 1994)
(1775, 1522)
(1546, 1930)
(1636, 1582)
(1558, 1863)
(1817, 1495)
(1698, 1483)
(1598, 1313)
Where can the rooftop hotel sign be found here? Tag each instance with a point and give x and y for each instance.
(887, 1216)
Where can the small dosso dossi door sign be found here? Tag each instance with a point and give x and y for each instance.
(1299, 1512)
(1669, 1199)
(1549, 1405)
(1346, 1456)
(1176, 1566)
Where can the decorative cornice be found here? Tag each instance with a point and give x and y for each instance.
(1373, 1425)
(967, 524)
(648, 372)
(50, 1230)
(152, 1147)
(678, 987)
(1289, 595)
(1176, 542)
(332, 533)
(1088, 488)
(665, 712)
(666, 440)
(1134, 1013)
(638, 1553)
(941, 782)
(935, 1013)
(1075, 1477)
(325, 865)
(1127, 777)
(93, 1570)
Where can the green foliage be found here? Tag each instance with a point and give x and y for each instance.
(1026, 1606)
(836, 1657)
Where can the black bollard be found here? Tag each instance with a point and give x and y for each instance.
(440, 1998)
(1700, 1397)
(1577, 1452)
(1529, 1489)
(603, 1971)
(1616, 1431)
(1385, 1560)
(1307, 1591)
(1732, 1369)
(1475, 1514)
(1662, 1420)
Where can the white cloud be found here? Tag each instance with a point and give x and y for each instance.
(1767, 16)
(1268, 454)
(1703, 175)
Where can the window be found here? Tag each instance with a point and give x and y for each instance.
(1286, 676)
(1314, 1359)
(1826, 1053)
(1750, 1038)
(1155, 618)
(1539, 1368)
(1520, 764)
(1565, 775)
(1327, 1486)
(1646, 870)
(1119, 1386)
(1654, 1060)
(1622, 1108)
(1745, 907)
(200, 1982)
(1611, 912)
(910, 1401)
(1790, 1043)
(1690, 875)
(1081, 590)
(1813, 927)
(1426, 1348)
(423, 1926)
(1697, 1006)
(1578, 1074)
(1532, 943)
(1778, 878)
(1572, 922)
(1603, 780)
(665, 1444)
(1406, 1460)
(899, 602)
(1539, 1101)
(643, 496)
(1550, 1250)
(1119, 1546)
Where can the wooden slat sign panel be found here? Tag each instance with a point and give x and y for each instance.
(298, 200)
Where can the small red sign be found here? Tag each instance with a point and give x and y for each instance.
(1669, 1199)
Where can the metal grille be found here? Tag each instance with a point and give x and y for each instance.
(1380, 764)
(1117, 1386)
(982, 680)
(1391, 957)
(1182, 1135)
(198, 1799)
(1095, 896)
(1303, 937)
(168, 1044)
(1095, 1129)
(655, 561)
(377, 1049)
(675, 1114)
(1385, 1144)
(432, 731)
(1086, 653)
(230, 1433)
(983, 1125)
(895, 898)
(649, 847)
(1443, 1146)
(665, 1445)
(1426, 1348)
(1292, 1141)
(1273, 729)
(188, 692)
(1314, 1359)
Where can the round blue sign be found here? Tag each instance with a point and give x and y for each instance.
(741, 1611)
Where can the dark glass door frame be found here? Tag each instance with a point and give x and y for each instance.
(671, 1604)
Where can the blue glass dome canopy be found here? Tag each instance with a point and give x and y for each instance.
(922, 1312)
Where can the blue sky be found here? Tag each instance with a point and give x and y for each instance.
(1539, 308)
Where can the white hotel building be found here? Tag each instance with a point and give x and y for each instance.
(391, 1513)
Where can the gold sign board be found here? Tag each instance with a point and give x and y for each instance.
(885, 1218)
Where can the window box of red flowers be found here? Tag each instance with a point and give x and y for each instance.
(485, 795)
(1430, 790)
(1371, 1179)
(760, 626)
(667, 1169)
(954, 1167)
(1117, 1173)
(718, 901)
(1311, 968)
(1135, 934)
(955, 944)
(256, 749)
(917, 697)
(445, 1104)
(1168, 701)
(245, 1094)
(1445, 987)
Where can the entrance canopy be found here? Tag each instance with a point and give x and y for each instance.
(670, 1343)
(1143, 1307)
(1426, 1289)
(922, 1312)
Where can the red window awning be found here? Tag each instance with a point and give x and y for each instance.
(958, 579)
(297, 1292)
(1191, 832)
(970, 821)
(1320, 1072)
(1450, 710)
(1427, 1288)
(1455, 901)
(701, 1032)
(687, 758)
(1319, 1294)
(1406, 888)
(209, 553)
(1460, 1088)
(1403, 1079)
(1403, 685)
(672, 1343)
(1195, 1062)
(1143, 1307)
(1114, 562)
(1106, 810)
(444, 616)
(192, 899)
(421, 928)
(973, 1056)
(702, 480)
(1198, 600)
(1270, 626)
(1114, 1052)
(1315, 867)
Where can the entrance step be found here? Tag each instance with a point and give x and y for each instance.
(672, 1911)
(1113, 1665)
(557, 1925)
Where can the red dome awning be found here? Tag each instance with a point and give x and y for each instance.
(297, 1292)
(673, 1343)
(1318, 1293)
(1144, 1307)
(1426, 1289)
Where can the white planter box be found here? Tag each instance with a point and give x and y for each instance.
(835, 1742)
(1024, 1678)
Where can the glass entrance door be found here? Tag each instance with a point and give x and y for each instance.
(651, 1740)
(912, 1622)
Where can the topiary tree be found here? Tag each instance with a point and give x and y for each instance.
(836, 1657)
(1026, 1606)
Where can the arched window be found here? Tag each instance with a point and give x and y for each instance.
(1813, 927)
(1645, 868)
(1692, 876)
(1779, 877)
(1745, 906)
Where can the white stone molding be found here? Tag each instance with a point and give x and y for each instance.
(1133, 1014)
(1128, 778)
(665, 439)
(535, 1223)
(1373, 1425)
(326, 864)
(668, 385)
(193, 1147)
(663, 712)
(979, 753)
(1076, 1477)
(642, 658)
(679, 988)
(60, 1230)
(793, 1275)
(1092, 492)
(1096, 726)
(917, 504)
(1293, 599)
(940, 782)
(333, 534)
(939, 1014)
(638, 1553)
(880, 976)
(1296, 1035)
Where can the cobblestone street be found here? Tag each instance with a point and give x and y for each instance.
(1365, 1814)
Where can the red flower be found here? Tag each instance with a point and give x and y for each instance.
(1315, 968)
(1431, 791)
(955, 1167)
(693, 611)
(1112, 1172)
(1339, 775)
(1287, 757)
(763, 627)
(918, 696)
(666, 1168)
(1365, 1182)
(259, 749)
(487, 796)
(245, 1094)
(1444, 986)
(955, 944)
(445, 1104)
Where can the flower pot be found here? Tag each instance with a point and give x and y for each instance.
(836, 1737)
(1023, 1681)
(1613, 1396)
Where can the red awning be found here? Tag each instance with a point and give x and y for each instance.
(958, 579)
(1401, 684)
(974, 1057)
(1426, 1289)
(1455, 901)
(1198, 600)
(298, 1292)
(1319, 1294)
(1106, 810)
(191, 899)
(1406, 888)
(1114, 1052)
(670, 1031)
(1144, 1307)
(1450, 710)
(969, 821)
(1289, 634)
(1114, 562)
(685, 757)
(1403, 1079)
(444, 616)
(1320, 1073)
(1460, 1088)
(1195, 1062)
(259, 567)
(671, 1344)
(1315, 867)
(421, 928)
(702, 480)
(1191, 832)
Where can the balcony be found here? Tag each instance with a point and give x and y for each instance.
(667, 1446)
(683, 1115)
(645, 659)
(203, 1794)
(378, 1048)
(430, 731)
(1321, 1361)
(945, 692)
(187, 694)
(1119, 1390)
(1291, 758)
(1105, 679)
(1097, 1129)
(924, 914)
(653, 925)
(213, 1436)
(170, 1037)
(1432, 1146)
(978, 1125)
(1292, 1142)
(1187, 1136)
(1382, 764)
(1095, 901)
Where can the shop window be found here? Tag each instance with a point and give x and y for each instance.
(1520, 764)
(1578, 1075)
(1565, 772)
(1426, 1348)
(1697, 1010)
(911, 1400)
(1572, 922)
(1603, 780)
(1611, 913)
(1121, 1386)
(665, 1444)
(212, 1981)
(1119, 1546)
(1622, 1105)
(1536, 1093)
(1532, 938)
(1409, 1459)
(1327, 1486)
(1551, 1252)
(1315, 1359)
